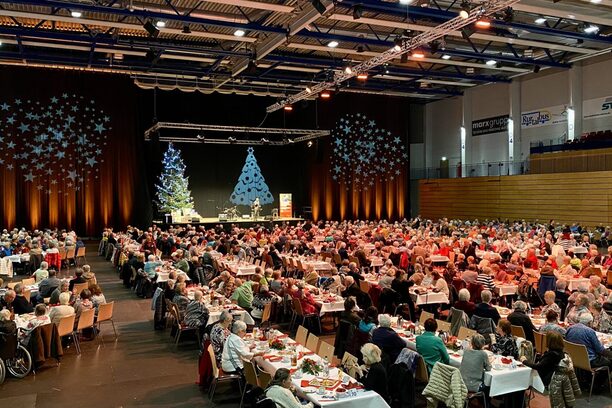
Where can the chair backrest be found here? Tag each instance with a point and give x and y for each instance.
(579, 355)
(326, 350)
(28, 281)
(66, 325)
(86, 319)
(465, 333)
(70, 253)
(424, 316)
(213, 362)
(301, 335)
(297, 307)
(250, 375)
(11, 285)
(264, 379)
(312, 343)
(105, 311)
(540, 342)
(364, 286)
(350, 363)
(265, 315)
(422, 375)
(27, 294)
(79, 287)
(443, 326)
(80, 252)
(518, 331)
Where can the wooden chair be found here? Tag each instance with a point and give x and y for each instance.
(312, 343)
(301, 335)
(443, 326)
(580, 358)
(518, 331)
(180, 326)
(27, 294)
(350, 364)
(11, 285)
(326, 350)
(465, 333)
(86, 321)
(218, 377)
(71, 256)
(421, 375)
(265, 315)
(79, 287)
(105, 314)
(65, 327)
(250, 376)
(80, 258)
(609, 278)
(424, 316)
(63, 259)
(28, 281)
(540, 342)
(364, 286)
(299, 312)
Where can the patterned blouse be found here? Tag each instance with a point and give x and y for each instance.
(602, 322)
(218, 335)
(505, 345)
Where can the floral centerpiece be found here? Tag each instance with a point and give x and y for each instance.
(276, 344)
(451, 343)
(309, 366)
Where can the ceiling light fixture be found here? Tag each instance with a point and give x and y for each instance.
(357, 12)
(239, 33)
(76, 14)
(160, 24)
(405, 2)
(418, 54)
(308, 90)
(540, 20)
(288, 108)
(595, 1)
(360, 49)
(483, 23)
(398, 44)
(465, 10)
(151, 29)
(325, 95)
(491, 63)
(186, 29)
(348, 70)
(446, 57)
(332, 44)
(363, 76)
(591, 29)
(309, 144)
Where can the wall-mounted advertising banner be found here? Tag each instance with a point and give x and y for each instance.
(594, 108)
(487, 126)
(286, 207)
(544, 117)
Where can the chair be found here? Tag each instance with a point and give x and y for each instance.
(28, 281)
(63, 259)
(80, 255)
(344, 337)
(299, 312)
(27, 294)
(326, 350)
(422, 375)
(65, 326)
(180, 326)
(70, 256)
(301, 335)
(79, 287)
(11, 285)
(518, 331)
(250, 375)
(444, 326)
(86, 321)
(217, 377)
(350, 364)
(540, 342)
(105, 314)
(458, 319)
(265, 315)
(472, 395)
(424, 316)
(312, 343)
(465, 333)
(580, 358)
(364, 286)
(483, 325)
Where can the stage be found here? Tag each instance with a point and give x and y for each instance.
(241, 222)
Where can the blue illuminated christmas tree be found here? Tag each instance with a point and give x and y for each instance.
(173, 192)
(251, 184)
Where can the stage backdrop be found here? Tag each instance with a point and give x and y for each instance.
(70, 151)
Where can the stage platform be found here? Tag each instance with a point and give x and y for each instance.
(242, 222)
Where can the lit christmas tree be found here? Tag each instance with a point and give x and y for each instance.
(173, 192)
(251, 184)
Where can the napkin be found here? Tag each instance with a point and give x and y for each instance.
(353, 385)
(273, 359)
(282, 336)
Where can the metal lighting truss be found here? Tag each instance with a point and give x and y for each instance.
(297, 135)
(479, 10)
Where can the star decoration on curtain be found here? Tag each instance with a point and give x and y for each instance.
(364, 153)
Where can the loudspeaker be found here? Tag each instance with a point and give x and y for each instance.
(222, 217)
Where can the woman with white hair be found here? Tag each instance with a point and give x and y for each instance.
(549, 299)
(464, 302)
(519, 318)
(372, 373)
(64, 309)
(581, 307)
(219, 334)
(196, 314)
(235, 350)
(387, 339)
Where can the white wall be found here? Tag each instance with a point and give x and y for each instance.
(548, 88)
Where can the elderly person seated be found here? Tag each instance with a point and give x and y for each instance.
(235, 350)
(484, 309)
(312, 278)
(581, 307)
(566, 268)
(485, 278)
(219, 333)
(281, 391)
(64, 309)
(262, 298)
(179, 260)
(439, 284)
(583, 289)
(63, 287)
(581, 333)
(307, 301)
(464, 302)
(180, 299)
(150, 266)
(519, 318)
(503, 342)
(369, 321)
(47, 286)
(6, 301)
(561, 294)
(387, 339)
(334, 282)
(474, 363)
(196, 314)
(549, 300)
(470, 275)
(21, 305)
(599, 291)
(552, 323)
(386, 280)
(243, 294)
(89, 276)
(42, 272)
(549, 362)
(430, 346)
(372, 374)
(349, 314)
(601, 320)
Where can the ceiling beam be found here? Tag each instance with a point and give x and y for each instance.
(561, 13)
(259, 5)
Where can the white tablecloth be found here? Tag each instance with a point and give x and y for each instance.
(439, 258)
(505, 289)
(330, 307)
(316, 265)
(429, 298)
(376, 261)
(573, 283)
(240, 314)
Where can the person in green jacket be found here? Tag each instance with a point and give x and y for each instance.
(430, 346)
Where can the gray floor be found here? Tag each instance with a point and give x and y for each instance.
(142, 368)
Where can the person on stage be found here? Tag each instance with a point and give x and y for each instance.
(256, 207)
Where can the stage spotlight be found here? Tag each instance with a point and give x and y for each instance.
(348, 70)
(76, 14)
(318, 6)
(251, 68)
(398, 44)
(465, 10)
(308, 90)
(483, 23)
(290, 141)
(325, 95)
(160, 24)
(434, 46)
(309, 144)
(288, 108)
(418, 54)
(536, 69)
(363, 76)
(186, 29)
(357, 12)
(151, 29)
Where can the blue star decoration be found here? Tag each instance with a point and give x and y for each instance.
(46, 138)
(364, 153)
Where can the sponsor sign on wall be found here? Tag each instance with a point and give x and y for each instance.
(487, 126)
(598, 107)
(286, 207)
(544, 117)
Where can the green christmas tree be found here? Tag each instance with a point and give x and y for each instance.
(173, 192)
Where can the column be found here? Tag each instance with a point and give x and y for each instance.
(514, 128)
(574, 129)
(465, 133)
